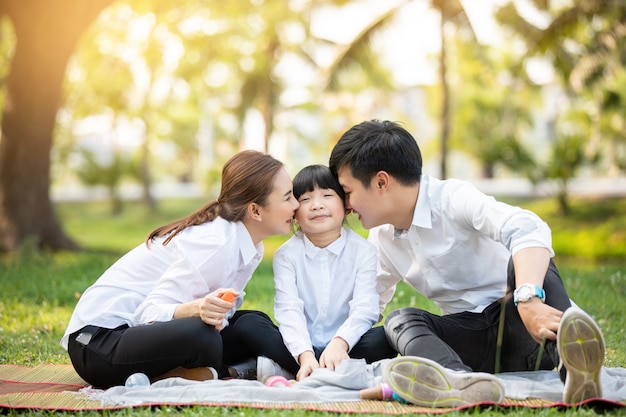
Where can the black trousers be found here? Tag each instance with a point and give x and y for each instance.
(260, 337)
(106, 357)
(495, 340)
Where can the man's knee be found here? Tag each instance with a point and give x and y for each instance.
(399, 317)
(407, 323)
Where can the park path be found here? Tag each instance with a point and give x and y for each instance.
(503, 188)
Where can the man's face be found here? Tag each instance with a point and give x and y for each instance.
(365, 202)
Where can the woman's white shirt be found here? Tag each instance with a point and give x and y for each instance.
(149, 282)
(326, 292)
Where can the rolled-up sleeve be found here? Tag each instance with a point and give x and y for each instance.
(180, 283)
(513, 226)
(203, 263)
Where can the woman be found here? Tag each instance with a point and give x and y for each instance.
(158, 310)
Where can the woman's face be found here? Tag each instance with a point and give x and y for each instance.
(279, 209)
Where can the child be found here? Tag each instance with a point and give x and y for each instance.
(159, 309)
(325, 276)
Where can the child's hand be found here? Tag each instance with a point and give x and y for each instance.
(308, 364)
(335, 352)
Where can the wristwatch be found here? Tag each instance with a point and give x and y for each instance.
(526, 292)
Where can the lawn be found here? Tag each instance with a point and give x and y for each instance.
(39, 291)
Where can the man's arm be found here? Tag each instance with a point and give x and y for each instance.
(541, 320)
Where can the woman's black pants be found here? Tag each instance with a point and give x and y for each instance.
(106, 357)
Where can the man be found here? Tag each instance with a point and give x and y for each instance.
(487, 265)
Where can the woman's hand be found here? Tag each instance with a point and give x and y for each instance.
(212, 308)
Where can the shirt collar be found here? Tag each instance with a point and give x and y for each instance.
(335, 247)
(423, 209)
(422, 212)
(248, 250)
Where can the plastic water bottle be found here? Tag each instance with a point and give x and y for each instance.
(137, 380)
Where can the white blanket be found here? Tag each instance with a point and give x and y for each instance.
(327, 386)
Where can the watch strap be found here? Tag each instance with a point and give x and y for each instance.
(535, 291)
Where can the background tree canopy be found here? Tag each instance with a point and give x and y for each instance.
(110, 92)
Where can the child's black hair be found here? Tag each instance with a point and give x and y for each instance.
(318, 176)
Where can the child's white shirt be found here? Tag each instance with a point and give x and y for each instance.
(322, 293)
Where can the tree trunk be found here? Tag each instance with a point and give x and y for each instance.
(445, 103)
(47, 33)
(145, 174)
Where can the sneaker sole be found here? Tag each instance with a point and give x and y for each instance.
(424, 382)
(581, 349)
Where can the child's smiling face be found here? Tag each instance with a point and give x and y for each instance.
(320, 211)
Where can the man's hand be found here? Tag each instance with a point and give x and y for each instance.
(541, 320)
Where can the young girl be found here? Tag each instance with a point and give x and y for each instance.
(158, 310)
(325, 276)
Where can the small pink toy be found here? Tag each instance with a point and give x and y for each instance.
(277, 381)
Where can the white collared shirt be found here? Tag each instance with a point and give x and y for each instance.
(148, 283)
(325, 292)
(457, 250)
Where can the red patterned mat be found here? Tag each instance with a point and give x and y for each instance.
(55, 387)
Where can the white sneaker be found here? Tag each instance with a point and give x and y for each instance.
(581, 350)
(265, 368)
(424, 382)
(244, 370)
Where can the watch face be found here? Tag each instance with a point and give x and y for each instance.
(524, 293)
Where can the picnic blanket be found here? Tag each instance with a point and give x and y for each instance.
(57, 387)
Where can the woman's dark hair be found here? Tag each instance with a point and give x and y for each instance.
(247, 177)
(314, 176)
(374, 146)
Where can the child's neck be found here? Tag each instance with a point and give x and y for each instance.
(321, 240)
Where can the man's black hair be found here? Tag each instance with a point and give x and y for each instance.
(373, 146)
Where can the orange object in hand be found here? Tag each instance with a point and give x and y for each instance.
(228, 296)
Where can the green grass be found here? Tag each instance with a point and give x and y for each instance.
(39, 291)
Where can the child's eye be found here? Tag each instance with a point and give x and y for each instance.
(303, 199)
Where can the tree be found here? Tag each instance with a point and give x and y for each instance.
(492, 109)
(46, 34)
(453, 16)
(109, 173)
(585, 40)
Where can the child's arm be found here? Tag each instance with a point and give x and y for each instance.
(288, 306)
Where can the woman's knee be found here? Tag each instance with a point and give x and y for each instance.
(195, 335)
(250, 322)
